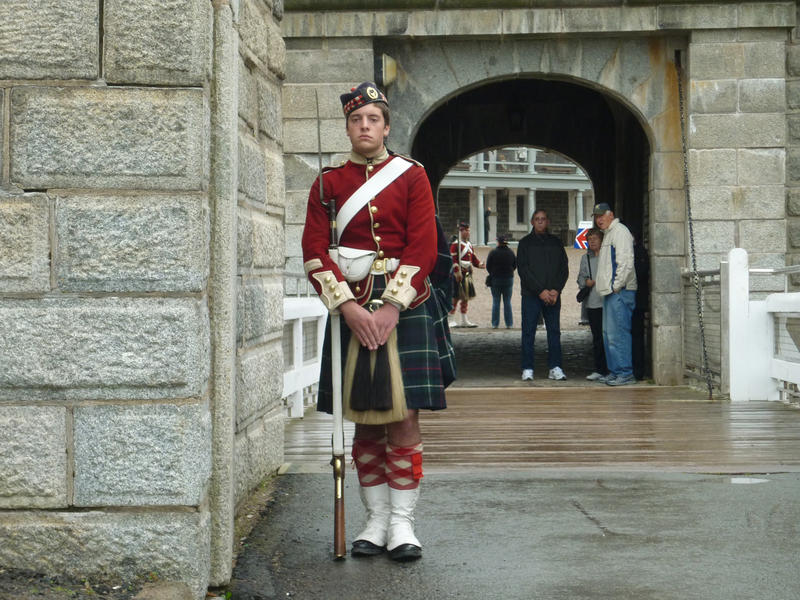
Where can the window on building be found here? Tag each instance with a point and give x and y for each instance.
(521, 209)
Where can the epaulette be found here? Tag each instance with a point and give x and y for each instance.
(408, 158)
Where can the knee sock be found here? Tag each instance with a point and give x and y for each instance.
(404, 466)
(370, 460)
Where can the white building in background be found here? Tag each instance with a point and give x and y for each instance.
(507, 180)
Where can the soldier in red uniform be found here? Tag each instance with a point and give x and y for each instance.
(379, 283)
(464, 260)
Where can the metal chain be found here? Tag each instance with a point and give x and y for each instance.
(695, 275)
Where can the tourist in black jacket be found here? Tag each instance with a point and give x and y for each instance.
(543, 271)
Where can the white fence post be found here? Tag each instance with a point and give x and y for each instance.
(303, 374)
(749, 336)
(724, 328)
(294, 399)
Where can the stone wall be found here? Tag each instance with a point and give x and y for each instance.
(793, 152)
(140, 281)
(260, 244)
(737, 140)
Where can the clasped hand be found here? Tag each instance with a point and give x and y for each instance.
(372, 329)
(549, 297)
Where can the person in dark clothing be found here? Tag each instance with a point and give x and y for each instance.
(501, 264)
(543, 271)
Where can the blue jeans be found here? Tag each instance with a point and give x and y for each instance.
(501, 288)
(532, 306)
(617, 311)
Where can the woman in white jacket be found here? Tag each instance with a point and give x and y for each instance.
(587, 278)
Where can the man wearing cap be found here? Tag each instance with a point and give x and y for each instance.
(616, 282)
(379, 283)
(464, 259)
(543, 271)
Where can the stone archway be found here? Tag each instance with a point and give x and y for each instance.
(611, 104)
(592, 129)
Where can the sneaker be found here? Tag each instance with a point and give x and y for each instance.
(622, 380)
(557, 374)
(527, 374)
(605, 378)
(595, 376)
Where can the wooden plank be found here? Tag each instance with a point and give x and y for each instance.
(644, 427)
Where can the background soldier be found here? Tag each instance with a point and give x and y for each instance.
(464, 259)
(387, 250)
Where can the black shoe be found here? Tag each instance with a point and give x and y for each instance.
(405, 553)
(365, 548)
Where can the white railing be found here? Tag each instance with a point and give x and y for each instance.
(304, 318)
(763, 358)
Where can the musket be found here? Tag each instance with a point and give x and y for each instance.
(460, 269)
(337, 442)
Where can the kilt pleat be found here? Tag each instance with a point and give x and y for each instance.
(426, 353)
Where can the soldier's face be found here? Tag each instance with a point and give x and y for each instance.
(366, 129)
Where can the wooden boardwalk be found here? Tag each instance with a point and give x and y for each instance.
(630, 428)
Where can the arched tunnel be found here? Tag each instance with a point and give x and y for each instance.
(593, 129)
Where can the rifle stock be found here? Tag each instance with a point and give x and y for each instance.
(339, 547)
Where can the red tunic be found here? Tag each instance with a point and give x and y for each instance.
(467, 256)
(398, 223)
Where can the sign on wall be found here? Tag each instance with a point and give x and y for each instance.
(580, 238)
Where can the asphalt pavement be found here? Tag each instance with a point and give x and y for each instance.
(541, 534)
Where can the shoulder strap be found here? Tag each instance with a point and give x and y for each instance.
(371, 188)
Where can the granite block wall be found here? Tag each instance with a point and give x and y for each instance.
(119, 369)
(260, 245)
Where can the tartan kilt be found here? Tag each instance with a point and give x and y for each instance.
(427, 359)
(463, 290)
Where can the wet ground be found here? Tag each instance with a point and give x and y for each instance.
(491, 358)
(555, 535)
